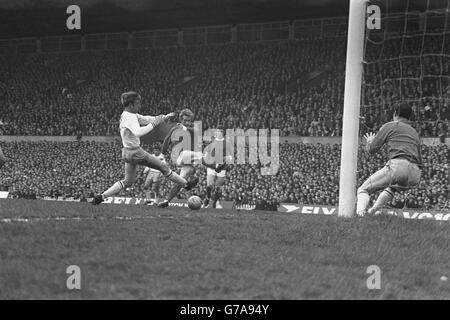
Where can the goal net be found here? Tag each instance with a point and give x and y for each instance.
(407, 60)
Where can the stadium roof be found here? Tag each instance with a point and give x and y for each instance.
(26, 18)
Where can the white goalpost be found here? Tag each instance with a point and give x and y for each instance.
(352, 103)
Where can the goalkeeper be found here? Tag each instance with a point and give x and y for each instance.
(402, 170)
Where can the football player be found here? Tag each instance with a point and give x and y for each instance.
(402, 170)
(214, 179)
(189, 156)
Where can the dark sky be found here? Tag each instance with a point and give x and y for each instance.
(21, 18)
(148, 4)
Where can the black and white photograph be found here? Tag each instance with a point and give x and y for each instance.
(225, 155)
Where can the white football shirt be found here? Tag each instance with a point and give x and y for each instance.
(129, 124)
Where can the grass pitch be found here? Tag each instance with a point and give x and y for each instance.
(138, 252)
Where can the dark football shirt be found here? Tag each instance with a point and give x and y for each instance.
(402, 141)
(190, 144)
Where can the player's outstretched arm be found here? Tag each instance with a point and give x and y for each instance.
(142, 131)
(145, 120)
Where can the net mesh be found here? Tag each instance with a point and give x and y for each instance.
(408, 61)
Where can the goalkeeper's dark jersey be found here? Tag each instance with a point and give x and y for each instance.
(402, 141)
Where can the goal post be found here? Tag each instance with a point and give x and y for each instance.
(352, 103)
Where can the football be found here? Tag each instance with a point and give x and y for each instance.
(194, 203)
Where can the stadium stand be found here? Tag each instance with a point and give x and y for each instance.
(255, 85)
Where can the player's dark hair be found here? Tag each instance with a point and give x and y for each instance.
(222, 128)
(128, 98)
(403, 110)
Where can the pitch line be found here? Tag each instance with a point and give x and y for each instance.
(60, 218)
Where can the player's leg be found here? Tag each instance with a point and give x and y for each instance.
(185, 161)
(379, 180)
(140, 157)
(220, 180)
(185, 172)
(2, 158)
(210, 182)
(157, 177)
(197, 157)
(384, 198)
(153, 162)
(130, 178)
(405, 175)
(148, 187)
(131, 157)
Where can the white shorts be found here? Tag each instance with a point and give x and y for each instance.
(188, 157)
(397, 173)
(212, 172)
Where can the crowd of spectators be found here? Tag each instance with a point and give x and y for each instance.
(254, 85)
(308, 174)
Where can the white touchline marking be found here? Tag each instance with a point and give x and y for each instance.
(58, 218)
